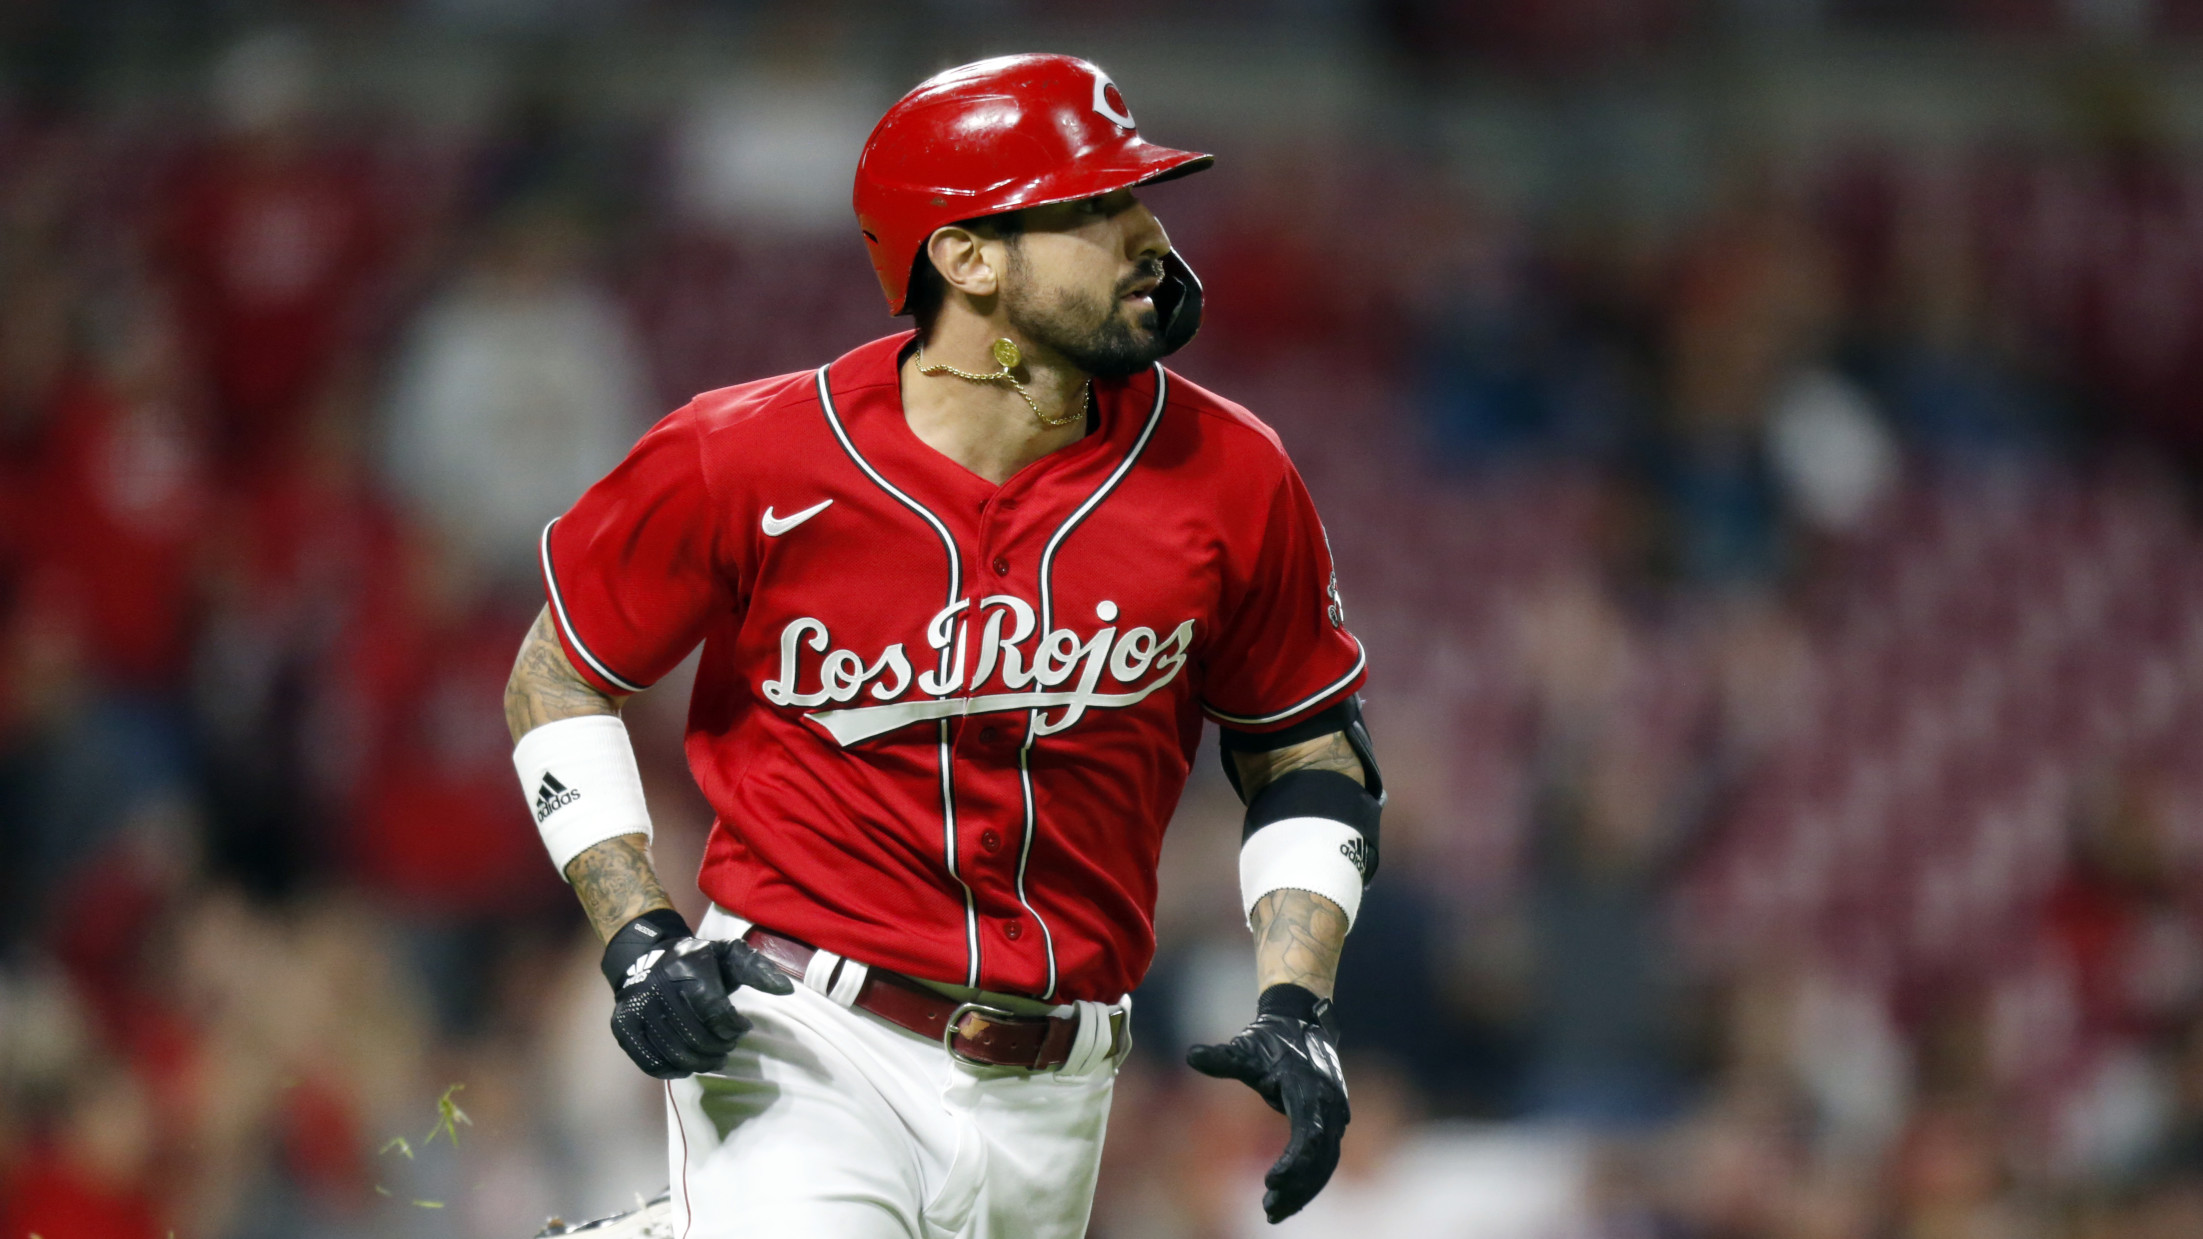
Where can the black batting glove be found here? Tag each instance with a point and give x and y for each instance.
(673, 1016)
(1290, 1055)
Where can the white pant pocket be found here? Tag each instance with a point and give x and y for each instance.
(948, 1212)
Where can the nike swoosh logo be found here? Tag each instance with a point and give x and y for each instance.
(778, 525)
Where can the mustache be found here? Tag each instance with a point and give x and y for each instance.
(1150, 269)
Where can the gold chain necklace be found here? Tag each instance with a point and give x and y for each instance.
(1007, 356)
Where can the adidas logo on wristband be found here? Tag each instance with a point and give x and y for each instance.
(552, 796)
(1356, 851)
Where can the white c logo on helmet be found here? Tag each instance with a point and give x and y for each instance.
(1109, 102)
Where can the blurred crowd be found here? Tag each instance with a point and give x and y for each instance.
(1786, 629)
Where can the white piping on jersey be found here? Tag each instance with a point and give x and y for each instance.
(565, 625)
(948, 836)
(1025, 849)
(1361, 656)
(1048, 553)
(956, 590)
(956, 564)
(1047, 601)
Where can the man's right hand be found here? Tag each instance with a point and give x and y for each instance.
(673, 1015)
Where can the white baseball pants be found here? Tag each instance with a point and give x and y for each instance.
(831, 1123)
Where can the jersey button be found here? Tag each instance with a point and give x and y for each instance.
(989, 735)
(1013, 930)
(1001, 566)
(989, 840)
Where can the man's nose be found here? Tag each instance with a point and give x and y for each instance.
(1144, 237)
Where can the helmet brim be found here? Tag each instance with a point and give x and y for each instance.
(1138, 163)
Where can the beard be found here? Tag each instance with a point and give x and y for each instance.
(1092, 332)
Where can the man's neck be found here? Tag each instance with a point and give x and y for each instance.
(987, 427)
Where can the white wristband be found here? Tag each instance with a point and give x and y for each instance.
(582, 786)
(1312, 854)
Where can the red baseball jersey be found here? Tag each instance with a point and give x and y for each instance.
(943, 723)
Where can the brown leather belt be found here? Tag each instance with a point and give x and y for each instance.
(973, 1032)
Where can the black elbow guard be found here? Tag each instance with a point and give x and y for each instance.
(1320, 793)
(1315, 793)
(1345, 718)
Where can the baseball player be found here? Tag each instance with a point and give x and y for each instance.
(964, 595)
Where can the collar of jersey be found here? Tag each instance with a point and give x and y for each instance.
(867, 391)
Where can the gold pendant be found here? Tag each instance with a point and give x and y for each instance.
(1006, 354)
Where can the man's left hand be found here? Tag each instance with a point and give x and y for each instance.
(1289, 1055)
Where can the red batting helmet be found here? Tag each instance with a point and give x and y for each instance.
(993, 136)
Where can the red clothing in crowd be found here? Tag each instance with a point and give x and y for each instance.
(53, 1198)
(434, 819)
(117, 504)
(272, 255)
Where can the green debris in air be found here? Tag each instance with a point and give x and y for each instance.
(449, 1118)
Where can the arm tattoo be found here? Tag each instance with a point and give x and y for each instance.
(613, 879)
(544, 687)
(1297, 936)
(616, 883)
(1332, 752)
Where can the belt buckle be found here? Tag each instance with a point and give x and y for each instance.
(948, 1031)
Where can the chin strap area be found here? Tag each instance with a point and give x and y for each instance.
(1177, 303)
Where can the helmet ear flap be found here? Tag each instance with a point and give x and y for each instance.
(1177, 303)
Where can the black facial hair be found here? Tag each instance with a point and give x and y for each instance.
(1089, 331)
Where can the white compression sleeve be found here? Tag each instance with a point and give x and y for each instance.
(580, 778)
(1302, 853)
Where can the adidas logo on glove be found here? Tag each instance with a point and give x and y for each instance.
(641, 967)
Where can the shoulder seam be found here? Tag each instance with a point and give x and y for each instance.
(1249, 424)
(797, 388)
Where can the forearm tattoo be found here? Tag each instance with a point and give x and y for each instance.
(1297, 936)
(1259, 770)
(544, 687)
(616, 883)
(613, 879)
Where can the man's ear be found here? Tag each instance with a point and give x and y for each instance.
(959, 254)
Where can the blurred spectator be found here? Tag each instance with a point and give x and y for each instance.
(1603, 1018)
(1754, 303)
(517, 389)
(101, 605)
(302, 557)
(273, 243)
(94, 1180)
(118, 494)
(431, 824)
